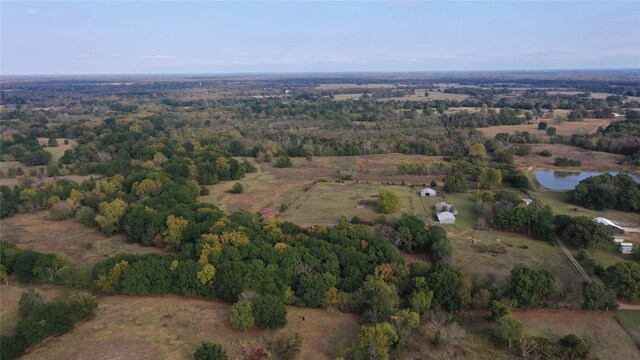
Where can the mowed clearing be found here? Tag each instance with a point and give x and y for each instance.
(68, 237)
(269, 188)
(608, 339)
(586, 126)
(171, 327)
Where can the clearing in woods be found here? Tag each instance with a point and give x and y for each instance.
(171, 327)
(68, 237)
(608, 339)
(58, 151)
(586, 126)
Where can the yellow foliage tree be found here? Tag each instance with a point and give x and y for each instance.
(172, 237)
(109, 283)
(108, 218)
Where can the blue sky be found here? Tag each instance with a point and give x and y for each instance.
(221, 37)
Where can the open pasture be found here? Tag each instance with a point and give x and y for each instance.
(171, 327)
(586, 126)
(68, 237)
(591, 160)
(608, 339)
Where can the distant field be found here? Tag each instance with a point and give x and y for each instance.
(69, 237)
(354, 86)
(591, 160)
(341, 97)
(587, 126)
(270, 187)
(58, 151)
(171, 327)
(433, 95)
(600, 329)
(5, 166)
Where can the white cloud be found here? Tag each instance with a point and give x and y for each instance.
(157, 57)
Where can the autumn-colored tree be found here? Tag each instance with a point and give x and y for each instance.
(172, 237)
(388, 202)
(147, 188)
(490, 178)
(374, 342)
(109, 283)
(108, 218)
(242, 315)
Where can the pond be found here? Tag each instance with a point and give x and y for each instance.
(567, 180)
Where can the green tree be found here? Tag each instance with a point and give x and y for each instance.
(624, 279)
(108, 218)
(388, 202)
(242, 315)
(542, 125)
(499, 309)
(30, 299)
(374, 342)
(379, 299)
(490, 178)
(454, 182)
(314, 287)
(421, 301)
(283, 162)
(210, 351)
(551, 131)
(509, 330)
(269, 312)
(597, 296)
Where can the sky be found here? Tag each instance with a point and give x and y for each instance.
(164, 37)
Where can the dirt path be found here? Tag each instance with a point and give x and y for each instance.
(623, 306)
(573, 261)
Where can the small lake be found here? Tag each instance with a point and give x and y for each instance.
(567, 180)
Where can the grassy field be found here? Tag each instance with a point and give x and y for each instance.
(587, 126)
(69, 237)
(58, 151)
(630, 320)
(171, 327)
(591, 160)
(608, 339)
(341, 97)
(270, 187)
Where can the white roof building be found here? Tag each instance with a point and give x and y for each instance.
(616, 228)
(427, 192)
(446, 217)
(626, 248)
(527, 201)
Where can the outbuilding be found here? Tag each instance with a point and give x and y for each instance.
(617, 230)
(427, 192)
(446, 217)
(626, 248)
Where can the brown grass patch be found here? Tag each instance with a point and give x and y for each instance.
(607, 338)
(171, 327)
(591, 160)
(586, 126)
(32, 231)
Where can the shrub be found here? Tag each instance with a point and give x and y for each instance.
(242, 315)
(283, 162)
(564, 162)
(551, 131)
(86, 216)
(542, 125)
(83, 305)
(269, 312)
(578, 347)
(288, 347)
(237, 188)
(30, 299)
(210, 351)
(545, 153)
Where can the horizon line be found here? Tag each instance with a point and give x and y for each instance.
(249, 73)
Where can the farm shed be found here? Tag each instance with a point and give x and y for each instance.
(443, 206)
(427, 192)
(446, 217)
(527, 201)
(617, 230)
(626, 248)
